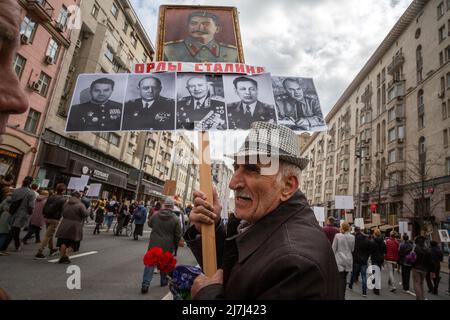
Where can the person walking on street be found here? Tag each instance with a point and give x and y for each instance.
(166, 233)
(421, 266)
(343, 246)
(391, 258)
(99, 215)
(360, 257)
(23, 199)
(70, 230)
(111, 210)
(405, 248)
(433, 277)
(139, 218)
(5, 220)
(52, 213)
(330, 229)
(37, 218)
(377, 252)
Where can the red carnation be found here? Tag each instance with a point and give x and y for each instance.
(167, 262)
(153, 256)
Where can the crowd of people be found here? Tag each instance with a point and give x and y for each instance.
(355, 251)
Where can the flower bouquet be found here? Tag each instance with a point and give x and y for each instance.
(180, 277)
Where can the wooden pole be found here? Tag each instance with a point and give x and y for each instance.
(208, 231)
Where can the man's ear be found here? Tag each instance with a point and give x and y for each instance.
(290, 186)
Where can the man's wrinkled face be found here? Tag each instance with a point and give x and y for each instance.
(202, 28)
(101, 92)
(197, 87)
(149, 89)
(294, 90)
(247, 91)
(255, 195)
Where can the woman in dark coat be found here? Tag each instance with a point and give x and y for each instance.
(70, 229)
(378, 250)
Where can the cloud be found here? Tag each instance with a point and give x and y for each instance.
(327, 40)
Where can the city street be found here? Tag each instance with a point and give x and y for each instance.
(111, 268)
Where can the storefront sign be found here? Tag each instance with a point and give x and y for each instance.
(8, 153)
(100, 175)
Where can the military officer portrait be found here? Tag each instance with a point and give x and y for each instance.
(99, 112)
(297, 110)
(201, 44)
(147, 109)
(204, 107)
(250, 107)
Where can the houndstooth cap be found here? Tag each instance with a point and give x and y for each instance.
(272, 140)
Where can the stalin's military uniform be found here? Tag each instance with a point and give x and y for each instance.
(189, 50)
(90, 116)
(207, 115)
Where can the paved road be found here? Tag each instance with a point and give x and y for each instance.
(113, 270)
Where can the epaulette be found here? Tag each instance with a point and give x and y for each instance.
(171, 42)
(227, 45)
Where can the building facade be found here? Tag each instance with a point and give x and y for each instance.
(221, 176)
(45, 39)
(387, 143)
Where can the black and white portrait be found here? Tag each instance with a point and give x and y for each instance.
(150, 102)
(249, 99)
(97, 103)
(297, 104)
(200, 103)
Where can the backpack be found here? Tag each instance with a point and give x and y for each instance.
(410, 258)
(14, 206)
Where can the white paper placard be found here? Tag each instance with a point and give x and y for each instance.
(349, 217)
(402, 227)
(443, 235)
(359, 222)
(344, 202)
(73, 183)
(319, 212)
(376, 219)
(84, 180)
(45, 183)
(94, 190)
(3, 168)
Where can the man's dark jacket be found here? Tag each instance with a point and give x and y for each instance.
(160, 115)
(285, 255)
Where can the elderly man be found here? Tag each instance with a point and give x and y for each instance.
(200, 109)
(151, 111)
(249, 109)
(98, 114)
(200, 45)
(297, 111)
(12, 97)
(275, 249)
(166, 233)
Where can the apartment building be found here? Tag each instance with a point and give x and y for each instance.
(387, 142)
(109, 39)
(221, 176)
(44, 43)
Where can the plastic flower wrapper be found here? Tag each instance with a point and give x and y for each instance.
(181, 281)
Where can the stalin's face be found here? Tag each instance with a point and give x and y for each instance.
(101, 92)
(149, 89)
(202, 29)
(197, 87)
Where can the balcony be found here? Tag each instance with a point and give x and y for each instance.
(397, 62)
(396, 191)
(396, 90)
(41, 8)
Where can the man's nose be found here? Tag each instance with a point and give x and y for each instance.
(237, 180)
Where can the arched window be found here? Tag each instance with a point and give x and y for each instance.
(419, 63)
(420, 109)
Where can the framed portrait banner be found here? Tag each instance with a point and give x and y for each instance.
(199, 34)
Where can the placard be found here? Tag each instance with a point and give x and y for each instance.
(443, 235)
(344, 202)
(376, 219)
(94, 190)
(359, 222)
(319, 212)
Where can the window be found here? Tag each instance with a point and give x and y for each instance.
(448, 5)
(448, 81)
(441, 58)
(45, 81)
(63, 15)
(144, 58)
(19, 65)
(103, 135)
(419, 63)
(447, 54)
(52, 50)
(445, 134)
(125, 26)
(391, 135)
(114, 139)
(447, 196)
(114, 10)
(391, 114)
(440, 10)
(444, 111)
(133, 41)
(401, 132)
(151, 143)
(28, 28)
(442, 33)
(32, 121)
(391, 156)
(130, 148)
(148, 160)
(448, 170)
(95, 10)
(109, 54)
(400, 154)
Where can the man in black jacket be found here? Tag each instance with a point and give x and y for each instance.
(360, 257)
(52, 212)
(275, 249)
(151, 111)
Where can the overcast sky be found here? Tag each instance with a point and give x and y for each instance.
(327, 40)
